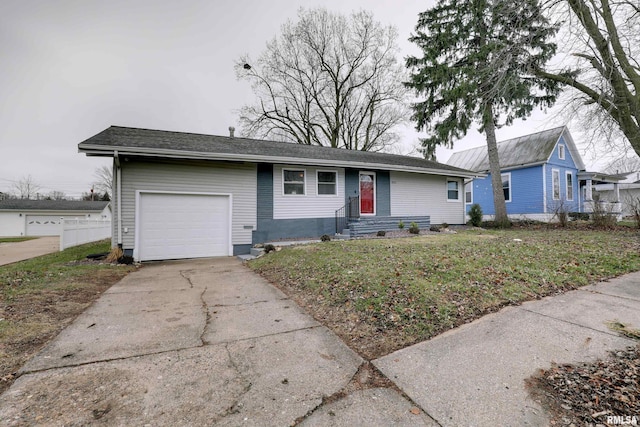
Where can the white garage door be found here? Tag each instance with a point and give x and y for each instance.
(174, 226)
(43, 225)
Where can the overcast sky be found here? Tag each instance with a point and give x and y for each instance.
(71, 68)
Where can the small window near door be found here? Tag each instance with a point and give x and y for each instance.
(561, 151)
(293, 181)
(327, 183)
(453, 190)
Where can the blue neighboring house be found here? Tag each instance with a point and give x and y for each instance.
(541, 174)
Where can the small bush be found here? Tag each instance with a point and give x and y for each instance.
(381, 233)
(325, 238)
(603, 216)
(475, 215)
(579, 216)
(434, 228)
(269, 248)
(444, 225)
(401, 225)
(413, 228)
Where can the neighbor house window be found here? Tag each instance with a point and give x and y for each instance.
(468, 192)
(327, 183)
(506, 186)
(569, 186)
(555, 180)
(293, 181)
(453, 190)
(561, 152)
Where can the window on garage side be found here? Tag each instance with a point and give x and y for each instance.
(506, 186)
(293, 181)
(453, 190)
(327, 183)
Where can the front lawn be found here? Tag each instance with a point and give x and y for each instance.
(15, 239)
(40, 296)
(380, 295)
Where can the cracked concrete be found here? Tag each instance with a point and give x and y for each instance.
(193, 342)
(206, 342)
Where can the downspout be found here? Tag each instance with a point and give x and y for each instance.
(118, 195)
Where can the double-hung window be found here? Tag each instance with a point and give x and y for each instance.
(453, 190)
(293, 181)
(506, 186)
(327, 183)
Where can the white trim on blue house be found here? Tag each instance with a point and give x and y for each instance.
(553, 184)
(568, 174)
(544, 189)
(508, 175)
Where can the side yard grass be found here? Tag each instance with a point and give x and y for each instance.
(15, 239)
(382, 295)
(40, 296)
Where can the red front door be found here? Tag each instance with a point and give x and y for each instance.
(367, 193)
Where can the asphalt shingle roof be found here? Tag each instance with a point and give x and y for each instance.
(140, 141)
(52, 205)
(524, 150)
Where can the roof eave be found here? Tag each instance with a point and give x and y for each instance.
(108, 151)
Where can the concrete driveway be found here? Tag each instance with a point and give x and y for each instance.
(19, 251)
(199, 343)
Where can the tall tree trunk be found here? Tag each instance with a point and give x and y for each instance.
(501, 218)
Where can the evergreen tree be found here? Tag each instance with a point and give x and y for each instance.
(478, 64)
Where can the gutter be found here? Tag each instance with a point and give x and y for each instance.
(116, 160)
(93, 150)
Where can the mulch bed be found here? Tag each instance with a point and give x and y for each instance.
(590, 394)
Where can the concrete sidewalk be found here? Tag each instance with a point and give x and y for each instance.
(204, 342)
(209, 342)
(19, 251)
(474, 375)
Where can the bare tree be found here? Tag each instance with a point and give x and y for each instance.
(601, 39)
(623, 165)
(57, 195)
(328, 80)
(103, 180)
(26, 187)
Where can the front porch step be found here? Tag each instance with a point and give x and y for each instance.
(371, 225)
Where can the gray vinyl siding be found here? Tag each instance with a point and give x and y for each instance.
(237, 179)
(420, 195)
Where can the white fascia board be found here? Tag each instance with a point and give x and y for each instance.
(106, 151)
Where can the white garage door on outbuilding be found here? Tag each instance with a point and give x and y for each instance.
(182, 225)
(43, 225)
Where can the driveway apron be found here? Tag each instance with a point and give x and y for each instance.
(199, 342)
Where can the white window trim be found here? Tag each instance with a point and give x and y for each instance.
(561, 151)
(566, 186)
(465, 193)
(508, 175)
(553, 193)
(333, 171)
(447, 190)
(375, 192)
(304, 188)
